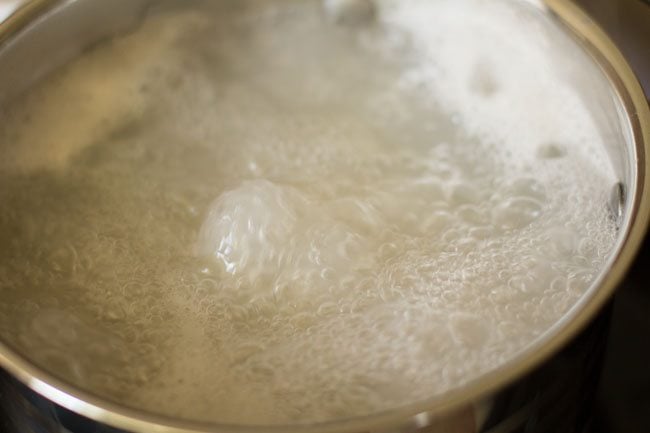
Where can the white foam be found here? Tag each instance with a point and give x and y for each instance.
(497, 75)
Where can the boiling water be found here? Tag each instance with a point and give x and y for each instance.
(254, 213)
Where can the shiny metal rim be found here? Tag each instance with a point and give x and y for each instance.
(22, 14)
(425, 412)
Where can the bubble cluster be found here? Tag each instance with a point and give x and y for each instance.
(273, 218)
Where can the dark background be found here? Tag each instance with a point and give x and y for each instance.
(624, 391)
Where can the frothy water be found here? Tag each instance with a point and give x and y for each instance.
(253, 213)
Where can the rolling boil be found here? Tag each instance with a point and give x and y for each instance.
(285, 212)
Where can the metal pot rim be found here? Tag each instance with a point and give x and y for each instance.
(422, 413)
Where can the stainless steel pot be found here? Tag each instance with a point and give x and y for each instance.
(39, 35)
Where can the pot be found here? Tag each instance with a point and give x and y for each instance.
(38, 36)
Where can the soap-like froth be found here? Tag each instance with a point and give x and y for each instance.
(252, 228)
(493, 82)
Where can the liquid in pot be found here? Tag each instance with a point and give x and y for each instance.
(249, 212)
